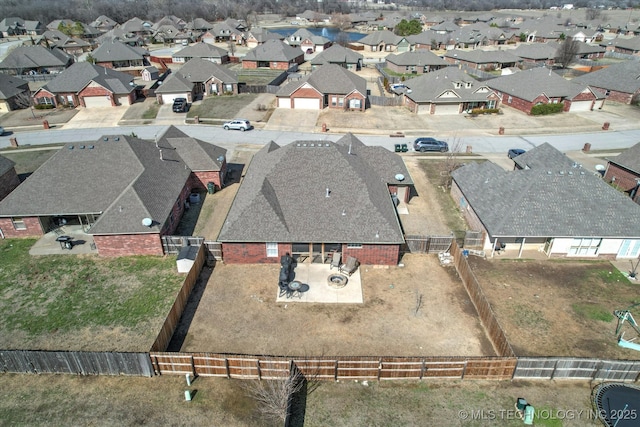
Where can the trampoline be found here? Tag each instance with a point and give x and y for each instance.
(617, 404)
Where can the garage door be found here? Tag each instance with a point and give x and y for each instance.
(123, 100)
(168, 98)
(580, 106)
(284, 102)
(424, 108)
(442, 109)
(97, 101)
(306, 103)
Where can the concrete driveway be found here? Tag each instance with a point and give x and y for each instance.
(285, 119)
(95, 117)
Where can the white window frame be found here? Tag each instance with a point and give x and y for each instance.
(354, 245)
(18, 223)
(584, 247)
(272, 249)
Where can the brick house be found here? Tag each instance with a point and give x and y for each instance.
(548, 204)
(307, 41)
(623, 171)
(526, 89)
(258, 36)
(120, 56)
(384, 41)
(87, 85)
(538, 53)
(329, 86)
(310, 198)
(417, 62)
(124, 191)
(342, 56)
(483, 60)
(8, 177)
(448, 91)
(35, 60)
(273, 54)
(619, 82)
(201, 50)
(14, 93)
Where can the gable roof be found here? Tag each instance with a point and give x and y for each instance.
(546, 202)
(176, 82)
(431, 86)
(34, 57)
(201, 50)
(478, 56)
(11, 86)
(337, 54)
(421, 57)
(383, 36)
(5, 165)
(273, 50)
(198, 70)
(262, 35)
(330, 78)
(530, 84)
(197, 155)
(623, 77)
(79, 75)
(305, 34)
(114, 50)
(628, 159)
(536, 51)
(60, 40)
(13, 23)
(359, 209)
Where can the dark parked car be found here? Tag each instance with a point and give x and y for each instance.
(180, 105)
(515, 152)
(430, 144)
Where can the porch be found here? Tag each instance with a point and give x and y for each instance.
(80, 242)
(315, 286)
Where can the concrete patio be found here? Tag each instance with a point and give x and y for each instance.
(315, 288)
(82, 243)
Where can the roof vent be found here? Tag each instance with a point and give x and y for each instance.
(81, 147)
(561, 172)
(399, 177)
(105, 138)
(117, 138)
(90, 147)
(312, 145)
(147, 222)
(70, 147)
(328, 192)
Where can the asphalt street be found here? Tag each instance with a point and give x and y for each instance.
(605, 140)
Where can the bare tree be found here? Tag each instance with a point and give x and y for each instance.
(23, 100)
(343, 22)
(273, 395)
(568, 51)
(232, 47)
(450, 163)
(592, 14)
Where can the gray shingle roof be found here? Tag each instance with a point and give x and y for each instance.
(11, 86)
(201, 50)
(176, 82)
(623, 77)
(26, 57)
(543, 157)
(431, 86)
(534, 82)
(337, 54)
(114, 50)
(5, 165)
(329, 79)
(77, 77)
(198, 155)
(124, 180)
(383, 36)
(628, 159)
(283, 197)
(422, 57)
(305, 34)
(536, 51)
(568, 202)
(484, 57)
(198, 70)
(273, 50)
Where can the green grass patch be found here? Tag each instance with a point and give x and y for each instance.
(592, 312)
(548, 417)
(152, 111)
(610, 275)
(221, 107)
(61, 293)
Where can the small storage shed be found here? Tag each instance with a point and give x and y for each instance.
(186, 258)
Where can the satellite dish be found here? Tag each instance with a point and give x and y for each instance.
(600, 168)
(399, 177)
(147, 222)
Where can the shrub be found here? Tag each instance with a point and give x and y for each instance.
(485, 111)
(543, 109)
(43, 106)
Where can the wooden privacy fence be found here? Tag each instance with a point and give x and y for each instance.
(576, 369)
(485, 312)
(386, 101)
(75, 362)
(333, 368)
(173, 244)
(171, 322)
(427, 244)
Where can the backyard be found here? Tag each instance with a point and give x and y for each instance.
(62, 302)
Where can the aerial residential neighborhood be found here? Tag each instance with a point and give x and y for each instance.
(327, 214)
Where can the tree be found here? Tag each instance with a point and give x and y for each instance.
(523, 37)
(232, 47)
(593, 14)
(567, 52)
(407, 28)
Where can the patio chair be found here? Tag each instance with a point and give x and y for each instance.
(350, 266)
(335, 260)
(284, 290)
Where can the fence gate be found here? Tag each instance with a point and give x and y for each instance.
(215, 250)
(472, 240)
(428, 244)
(173, 244)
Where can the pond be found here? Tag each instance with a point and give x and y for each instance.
(329, 32)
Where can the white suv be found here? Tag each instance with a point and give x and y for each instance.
(236, 124)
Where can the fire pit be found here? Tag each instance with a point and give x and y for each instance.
(337, 281)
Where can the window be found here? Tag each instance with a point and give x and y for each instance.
(272, 249)
(354, 245)
(18, 223)
(491, 104)
(341, 102)
(510, 99)
(334, 101)
(582, 247)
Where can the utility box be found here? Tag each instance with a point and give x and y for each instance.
(211, 188)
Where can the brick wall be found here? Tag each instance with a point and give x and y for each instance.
(622, 97)
(8, 182)
(128, 244)
(521, 104)
(249, 64)
(359, 96)
(199, 180)
(624, 178)
(177, 210)
(96, 91)
(33, 228)
(374, 254)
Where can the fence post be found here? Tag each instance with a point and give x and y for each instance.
(226, 366)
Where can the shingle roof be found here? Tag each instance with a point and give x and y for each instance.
(337, 54)
(77, 77)
(124, 179)
(431, 86)
(34, 57)
(534, 82)
(422, 57)
(330, 78)
(536, 51)
(198, 155)
(632, 43)
(5, 165)
(283, 197)
(544, 156)
(377, 37)
(551, 202)
(305, 34)
(176, 82)
(201, 50)
(198, 70)
(273, 50)
(60, 40)
(623, 77)
(484, 57)
(114, 50)
(11, 86)
(628, 159)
